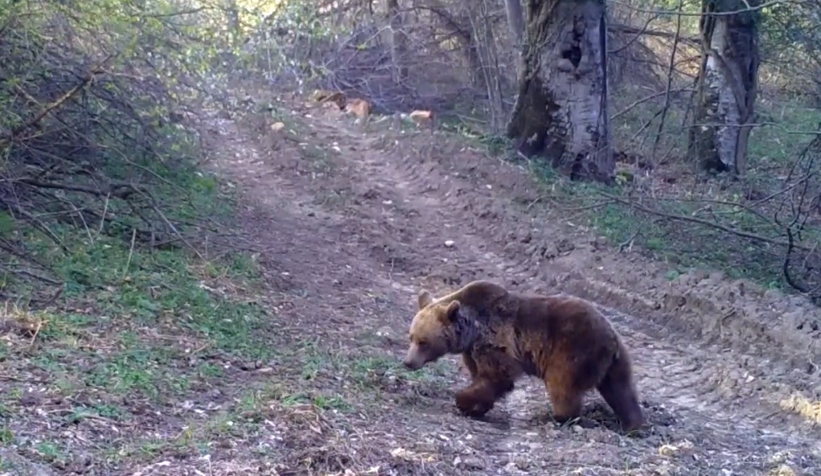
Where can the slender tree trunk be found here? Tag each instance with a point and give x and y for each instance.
(492, 75)
(561, 110)
(727, 87)
(395, 35)
(516, 23)
(458, 25)
(235, 27)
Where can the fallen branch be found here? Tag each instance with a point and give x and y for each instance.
(709, 224)
(6, 138)
(122, 190)
(620, 28)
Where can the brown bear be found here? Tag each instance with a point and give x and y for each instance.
(503, 336)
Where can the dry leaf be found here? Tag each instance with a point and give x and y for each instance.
(359, 107)
(326, 96)
(422, 117)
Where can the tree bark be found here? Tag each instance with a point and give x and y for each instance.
(516, 24)
(561, 110)
(395, 36)
(727, 87)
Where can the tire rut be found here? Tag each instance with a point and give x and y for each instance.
(716, 401)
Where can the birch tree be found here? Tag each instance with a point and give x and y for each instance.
(727, 85)
(561, 111)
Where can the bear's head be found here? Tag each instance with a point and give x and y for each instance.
(433, 331)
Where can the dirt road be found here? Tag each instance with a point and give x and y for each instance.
(352, 221)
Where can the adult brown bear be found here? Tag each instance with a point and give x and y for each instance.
(502, 336)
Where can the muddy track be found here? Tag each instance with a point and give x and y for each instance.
(727, 395)
(713, 394)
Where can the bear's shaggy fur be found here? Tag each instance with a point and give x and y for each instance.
(503, 336)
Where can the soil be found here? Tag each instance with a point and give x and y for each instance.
(726, 369)
(717, 362)
(349, 221)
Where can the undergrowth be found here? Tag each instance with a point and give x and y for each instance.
(121, 321)
(632, 219)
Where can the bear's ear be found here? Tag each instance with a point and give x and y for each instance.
(452, 312)
(424, 299)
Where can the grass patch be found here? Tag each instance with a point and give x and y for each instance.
(360, 374)
(781, 140)
(679, 244)
(110, 285)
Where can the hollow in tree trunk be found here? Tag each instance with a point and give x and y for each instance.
(726, 88)
(561, 110)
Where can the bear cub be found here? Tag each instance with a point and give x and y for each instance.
(503, 336)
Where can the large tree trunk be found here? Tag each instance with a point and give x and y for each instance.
(561, 110)
(727, 86)
(515, 20)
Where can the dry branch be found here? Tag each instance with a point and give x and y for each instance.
(699, 221)
(638, 32)
(16, 131)
(84, 139)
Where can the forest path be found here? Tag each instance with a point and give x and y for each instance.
(355, 219)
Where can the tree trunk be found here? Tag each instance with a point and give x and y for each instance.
(516, 24)
(492, 74)
(561, 110)
(234, 24)
(395, 35)
(727, 86)
(458, 25)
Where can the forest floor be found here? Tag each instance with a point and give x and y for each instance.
(347, 222)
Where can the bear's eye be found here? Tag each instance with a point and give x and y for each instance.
(422, 343)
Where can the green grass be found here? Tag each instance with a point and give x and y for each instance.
(784, 134)
(680, 244)
(310, 379)
(150, 288)
(363, 370)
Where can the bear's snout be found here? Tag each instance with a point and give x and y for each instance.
(413, 360)
(410, 364)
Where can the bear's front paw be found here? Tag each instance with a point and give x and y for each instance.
(472, 403)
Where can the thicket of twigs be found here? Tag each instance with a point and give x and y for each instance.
(94, 137)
